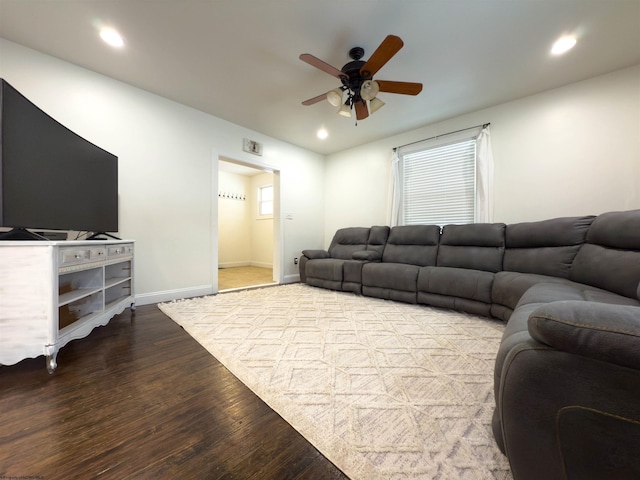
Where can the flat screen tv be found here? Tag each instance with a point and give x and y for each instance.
(50, 177)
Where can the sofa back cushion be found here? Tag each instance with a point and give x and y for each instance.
(477, 246)
(412, 244)
(348, 240)
(547, 247)
(610, 258)
(378, 236)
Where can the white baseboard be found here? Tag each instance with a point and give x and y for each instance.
(292, 278)
(169, 295)
(180, 293)
(261, 264)
(233, 264)
(245, 264)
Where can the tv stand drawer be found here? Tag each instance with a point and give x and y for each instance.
(117, 251)
(78, 255)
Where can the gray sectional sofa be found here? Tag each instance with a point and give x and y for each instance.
(567, 373)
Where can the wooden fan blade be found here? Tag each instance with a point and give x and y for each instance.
(324, 66)
(362, 111)
(404, 88)
(387, 49)
(319, 98)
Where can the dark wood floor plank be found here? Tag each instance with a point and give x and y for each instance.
(139, 398)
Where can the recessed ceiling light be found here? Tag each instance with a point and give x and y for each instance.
(563, 44)
(322, 133)
(112, 37)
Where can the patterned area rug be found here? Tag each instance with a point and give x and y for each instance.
(385, 390)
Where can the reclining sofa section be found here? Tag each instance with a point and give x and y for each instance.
(567, 373)
(340, 268)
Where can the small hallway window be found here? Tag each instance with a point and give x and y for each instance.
(265, 200)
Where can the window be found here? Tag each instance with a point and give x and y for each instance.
(265, 200)
(438, 183)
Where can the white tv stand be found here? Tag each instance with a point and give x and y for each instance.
(54, 292)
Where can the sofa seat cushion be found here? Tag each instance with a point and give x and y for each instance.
(325, 272)
(542, 293)
(397, 276)
(456, 282)
(391, 281)
(454, 303)
(508, 287)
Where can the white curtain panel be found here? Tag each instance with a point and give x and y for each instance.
(484, 187)
(484, 173)
(395, 198)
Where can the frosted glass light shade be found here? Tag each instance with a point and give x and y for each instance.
(375, 104)
(334, 97)
(345, 110)
(369, 89)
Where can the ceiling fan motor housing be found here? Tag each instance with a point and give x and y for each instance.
(353, 78)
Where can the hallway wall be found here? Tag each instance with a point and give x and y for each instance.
(244, 239)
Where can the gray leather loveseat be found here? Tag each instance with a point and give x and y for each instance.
(567, 373)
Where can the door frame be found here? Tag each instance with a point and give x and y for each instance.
(278, 245)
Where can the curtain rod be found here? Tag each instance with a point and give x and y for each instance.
(484, 125)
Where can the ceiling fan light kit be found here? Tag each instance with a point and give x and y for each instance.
(375, 104)
(334, 97)
(369, 89)
(357, 80)
(345, 110)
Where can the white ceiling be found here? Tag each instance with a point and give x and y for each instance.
(238, 59)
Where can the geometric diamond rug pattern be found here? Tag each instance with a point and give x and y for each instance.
(385, 390)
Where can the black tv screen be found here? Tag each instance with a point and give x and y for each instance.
(50, 177)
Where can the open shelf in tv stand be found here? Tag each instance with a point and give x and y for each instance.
(55, 292)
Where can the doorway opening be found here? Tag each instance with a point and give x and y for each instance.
(248, 202)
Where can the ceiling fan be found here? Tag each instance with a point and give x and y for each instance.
(357, 80)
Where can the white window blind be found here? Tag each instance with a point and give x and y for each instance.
(439, 184)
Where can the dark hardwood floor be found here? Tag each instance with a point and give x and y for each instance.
(139, 398)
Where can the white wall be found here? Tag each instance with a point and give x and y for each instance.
(234, 220)
(261, 227)
(569, 151)
(168, 156)
(244, 237)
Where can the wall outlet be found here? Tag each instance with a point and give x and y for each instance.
(295, 261)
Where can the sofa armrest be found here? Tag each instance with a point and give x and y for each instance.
(367, 255)
(606, 332)
(313, 254)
